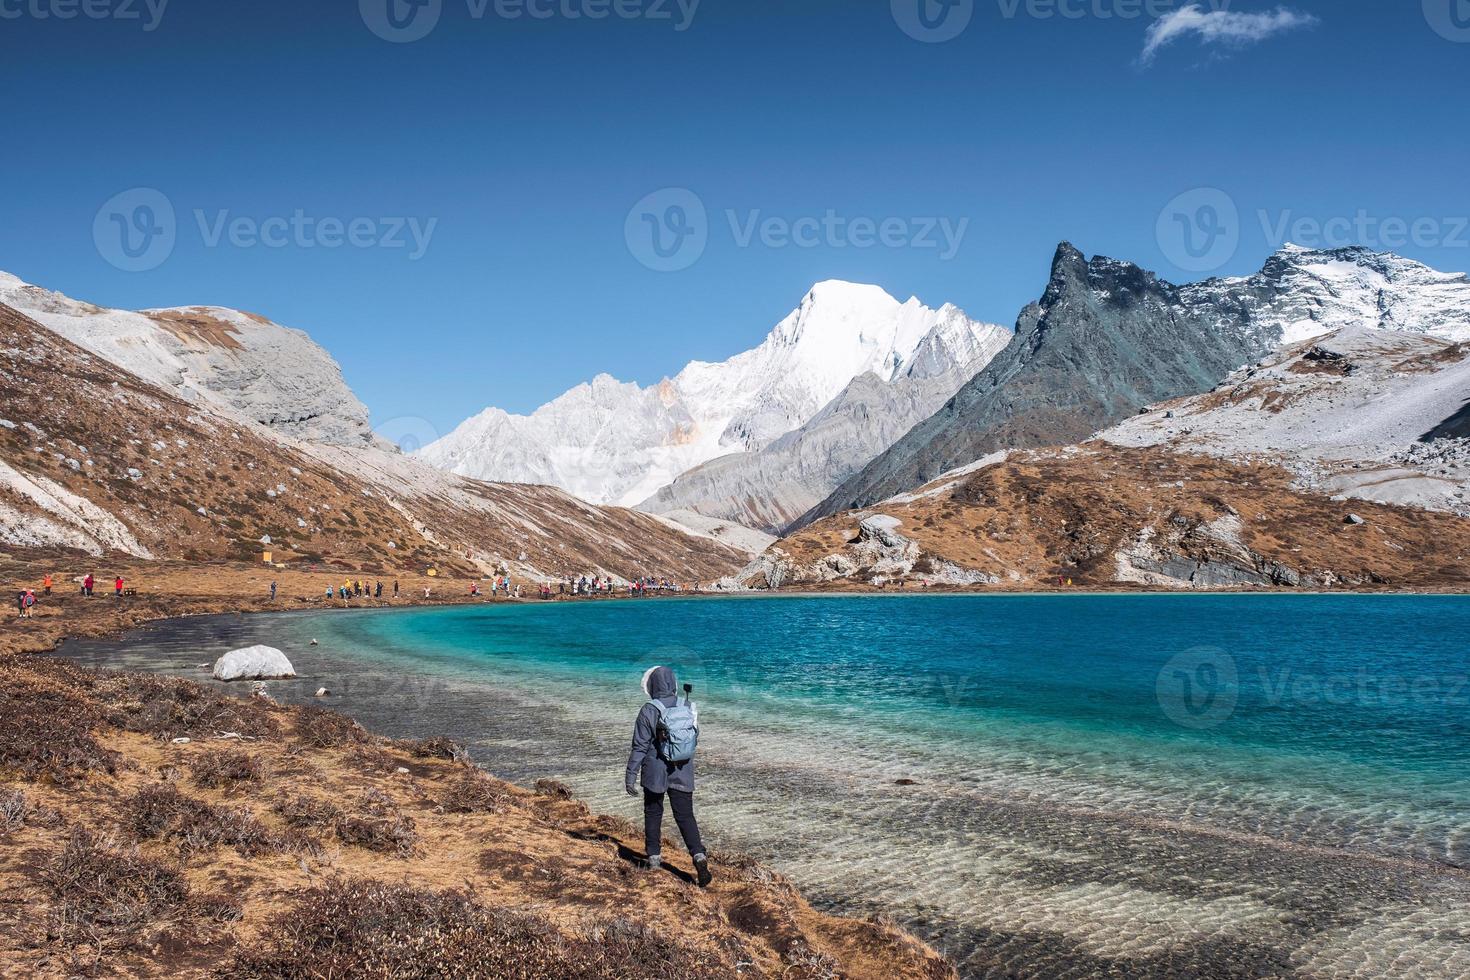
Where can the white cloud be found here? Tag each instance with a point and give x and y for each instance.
(1220, 27)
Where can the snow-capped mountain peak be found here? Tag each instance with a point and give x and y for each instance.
(611, 441)
(1305, 293)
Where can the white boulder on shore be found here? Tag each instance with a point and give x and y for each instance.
(254, 663)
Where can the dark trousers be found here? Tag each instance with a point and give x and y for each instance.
(682, 804)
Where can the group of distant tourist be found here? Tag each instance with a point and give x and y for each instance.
(587, 585)
(354, 589)
(26, 600)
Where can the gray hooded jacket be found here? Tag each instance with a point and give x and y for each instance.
(657, 775)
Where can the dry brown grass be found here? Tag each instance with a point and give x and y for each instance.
(371, 929)
(284, 859)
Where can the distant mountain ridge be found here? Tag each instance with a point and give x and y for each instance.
(610, 441)
(1109, 338)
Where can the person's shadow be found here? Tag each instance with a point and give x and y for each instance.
(641, 861)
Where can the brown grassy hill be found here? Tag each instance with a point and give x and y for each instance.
(151, 828)
(93, 458)
(1100, 515)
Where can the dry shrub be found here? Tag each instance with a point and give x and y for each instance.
(169, 707)
(218, 907)
(161, 812)
(380, 827)
(97, 887)
(323, 728)
(352, 928)
(746, 868)
(439, 747)
(46, 734)
(13, 811)
(475, 792)
(307, 812)
(552, 789)
(226, 768)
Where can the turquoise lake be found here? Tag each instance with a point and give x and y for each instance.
(1145, 785)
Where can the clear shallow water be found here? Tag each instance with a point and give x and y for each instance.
(1139, 785)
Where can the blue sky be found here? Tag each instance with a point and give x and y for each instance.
(527, 141)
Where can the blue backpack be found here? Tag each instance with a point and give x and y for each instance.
(678, 730)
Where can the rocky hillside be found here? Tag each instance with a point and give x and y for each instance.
(614, 442)
(94, 458)
(1109, 338)
(233, 363)
(1099, 515)
(1360, 413)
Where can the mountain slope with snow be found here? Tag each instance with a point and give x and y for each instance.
(1108, 338)
(1341, 460)
(609, 441)
(776, 484)
(239, 363)
(96, 459)
(1363, 413)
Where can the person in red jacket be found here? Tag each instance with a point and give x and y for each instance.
(117, 587)
(87, 584)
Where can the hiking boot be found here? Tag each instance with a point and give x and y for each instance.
(701, 868)
(653, 862)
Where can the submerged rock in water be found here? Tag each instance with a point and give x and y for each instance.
(254, 663)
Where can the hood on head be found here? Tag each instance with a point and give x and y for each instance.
(659, 682)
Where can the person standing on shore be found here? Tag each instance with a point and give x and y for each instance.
(87, 584)
(273, 590)
(117, 585)
(662, 759)
(46, 584)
